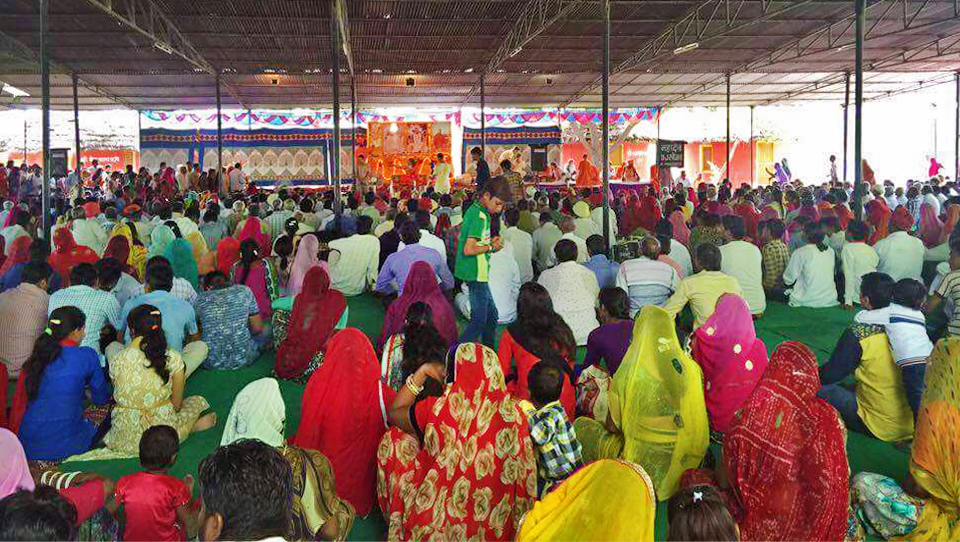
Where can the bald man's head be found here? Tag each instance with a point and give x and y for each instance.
(567, 225)
(650, 247)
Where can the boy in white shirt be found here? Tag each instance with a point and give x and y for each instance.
(906, 330)
(857, 258)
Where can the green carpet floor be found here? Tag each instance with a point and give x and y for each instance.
(818, 328)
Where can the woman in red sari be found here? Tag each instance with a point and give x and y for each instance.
(930, 226)
(19, 253)
(460, 466)
(421, 285)
(68, 254)
(878, 216)
(344, 416)
(313, 320)
(786, 457)
(750, 215)
(228, 253)
(252, 228)
(539, 333)
(649, 212)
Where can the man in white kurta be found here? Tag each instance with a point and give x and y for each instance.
(544, 238)
(522, 243)
(857, 258)
(568, 228)
(901, 254)
(810, 274)
(88, 232)
(505, 285)
(356, 270)
(744, 262)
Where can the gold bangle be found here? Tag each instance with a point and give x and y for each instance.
(413, 387)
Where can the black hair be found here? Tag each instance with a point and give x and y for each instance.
(34, 272)
(616, 302)
(41, 514)
(709, 257)
(159, 277)
(423, 219)
(283, 247)
(39, 250)
(146, 322)
(698, 512)
(133, 234)
(364, 225)
(173, 227)
(497, 187)
(877, 288)
(216, 280)
(85, 274)
(709, 220)
(46, 349)
(735, 225)
(565, 250)
(596, 245)
(422, 343)
(539, 328)
(775, 227)
(410, 233)
(109, 271)
(663, 227)
(210, 215)
(814, 235)
(158, 447)
(858, 230)
(249, 253)
(250, 485)
(291, 226)
(909, 293)
(545, 381)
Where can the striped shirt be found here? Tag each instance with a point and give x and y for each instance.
(647, 282)
(100, 308)
(24, 312)
(950, 290)
(181, 288)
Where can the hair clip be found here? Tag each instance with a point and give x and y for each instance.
(154, 327)
(155, 313)
(48, 331)
(697, 496)
(55, 321)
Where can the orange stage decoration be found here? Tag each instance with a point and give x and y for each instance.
(401, 152)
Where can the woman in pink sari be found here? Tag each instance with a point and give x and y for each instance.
(258, 274)
(252, 228)
(930, 226)
(733, 359)
(421, 285)
(308, 257)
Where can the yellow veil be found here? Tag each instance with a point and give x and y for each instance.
(605, 501)
(935, 459)
(657, 404)
(138, 254)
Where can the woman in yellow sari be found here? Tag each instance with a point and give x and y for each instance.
(607, 500)
(657, 417)
(138, 252)
(926, 505)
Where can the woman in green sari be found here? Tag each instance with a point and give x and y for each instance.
(657, 416)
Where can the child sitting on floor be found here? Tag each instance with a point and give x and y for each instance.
(157, 506)
(698, 512)
(558, 451)
(906, 330)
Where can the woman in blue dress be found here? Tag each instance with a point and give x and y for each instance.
(58, 374)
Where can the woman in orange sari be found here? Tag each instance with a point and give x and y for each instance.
(878, 216)
(459, 466)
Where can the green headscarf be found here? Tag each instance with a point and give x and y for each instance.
(161, 237)
(180, 254)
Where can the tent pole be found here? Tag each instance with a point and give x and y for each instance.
(219, 138)
(76, 121)
(753, 165)
(483, 115)
(606, 125)
(728, 130)
(354, 131)
(846, 122)
(956, 134)
(858, 112)
(45, 85)
(335, 34)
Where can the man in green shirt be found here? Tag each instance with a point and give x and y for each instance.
(473, 258)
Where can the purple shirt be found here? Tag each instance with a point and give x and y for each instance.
(398, 265)
(609, 342)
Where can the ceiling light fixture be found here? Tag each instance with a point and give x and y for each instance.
(686, 48)
(163, 47)
(845, 47)
(468, 70)
(13, 91)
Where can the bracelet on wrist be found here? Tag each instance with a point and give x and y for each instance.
(413, 387)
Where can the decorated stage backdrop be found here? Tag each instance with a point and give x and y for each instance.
(503, 142)
(268, 156)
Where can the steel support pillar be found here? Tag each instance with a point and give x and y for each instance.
(219, 177)
(846, 122)
(606, 125)
(354, 131)
(956, 133)
(76, 123)
(483, 114)
(727, 166)
(753, 165)
(335, 151)
(45, 86)
(861, 7)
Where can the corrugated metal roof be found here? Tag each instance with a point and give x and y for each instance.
(277, 53)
